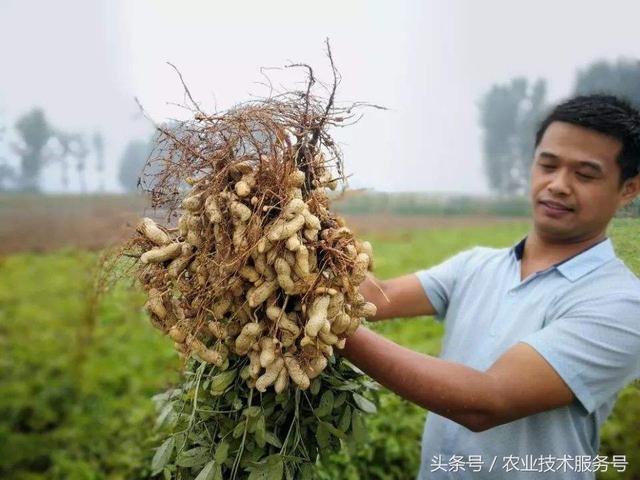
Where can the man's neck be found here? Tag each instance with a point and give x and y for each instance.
(544, 251)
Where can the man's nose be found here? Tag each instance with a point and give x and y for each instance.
(560, 184)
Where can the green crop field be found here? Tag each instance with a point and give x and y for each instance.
(77, 374)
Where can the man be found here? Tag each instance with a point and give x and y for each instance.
(539, 338)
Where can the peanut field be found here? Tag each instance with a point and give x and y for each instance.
(77, 372)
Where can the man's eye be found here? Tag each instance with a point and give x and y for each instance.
(585, 177)
(547, 167)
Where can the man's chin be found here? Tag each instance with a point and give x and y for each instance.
(550, 228)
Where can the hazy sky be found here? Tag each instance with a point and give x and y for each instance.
(428, 61)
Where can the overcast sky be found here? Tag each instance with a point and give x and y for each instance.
(428, 61)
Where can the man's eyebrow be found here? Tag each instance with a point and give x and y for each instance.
(549, 155)
(594, 165)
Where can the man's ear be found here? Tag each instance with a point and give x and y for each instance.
(630, 190)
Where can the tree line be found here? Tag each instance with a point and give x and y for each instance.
(510, 113)
(34, 143)
(38, 144)
(509, 116)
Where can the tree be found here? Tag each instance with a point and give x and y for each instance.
(98, 146)
(7, 173)
(509, 114)
(34, 131)
(619, 78)
(132, 163)
(72, 148)
(79, 154)
(531, 115)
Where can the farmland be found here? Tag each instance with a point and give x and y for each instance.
(77, 372)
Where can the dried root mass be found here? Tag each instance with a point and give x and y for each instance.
(258, 265)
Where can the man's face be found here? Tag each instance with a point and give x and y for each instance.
(575, 187)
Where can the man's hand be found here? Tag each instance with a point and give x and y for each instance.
(398, 297)
(518, 384)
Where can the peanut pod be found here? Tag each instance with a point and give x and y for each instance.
(296, 373)
(162, 254)
(152, 232)
(270, 375)
(317, 315)
(282, 229)
(247, 337)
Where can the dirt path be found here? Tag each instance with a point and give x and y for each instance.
(39, 224)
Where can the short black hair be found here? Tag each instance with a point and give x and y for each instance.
(606, 114)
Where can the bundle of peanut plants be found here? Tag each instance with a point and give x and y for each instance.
(256, 284)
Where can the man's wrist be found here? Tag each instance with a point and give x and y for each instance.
(352, 342)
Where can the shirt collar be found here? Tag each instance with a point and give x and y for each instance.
(581, 263)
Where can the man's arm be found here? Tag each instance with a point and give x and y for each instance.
(397, 297)
(518, 384)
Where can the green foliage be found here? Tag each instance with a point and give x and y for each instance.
(65, 419)
(252, 435)
(74, 406)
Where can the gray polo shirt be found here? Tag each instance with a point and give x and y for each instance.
(582, 315)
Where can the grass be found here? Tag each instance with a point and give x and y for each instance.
(74, 406)
(75, 382)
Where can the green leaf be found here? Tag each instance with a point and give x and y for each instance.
(267, 407)
(221, 382)
(371, 385)
(252, 411)
(222, 453)
(326, 404)
(288, 474)
(260, 432)
(252, 422)
(307, 471)
(180, 438)
(225, 364)
(218, 473)
(165, 396)
(162, 455)
(193, 457)
(208, 472)
(335, 431)
(322, 435)
(354, 368)
(340, 399)
(364, 404)
(348, 386)
(358, 429)
(345, 419)
(271, 469)
(239, 430)
(273, 440)
(315, 386)
(167, 417)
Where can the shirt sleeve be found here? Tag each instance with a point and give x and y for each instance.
(439, 281)
(595, 347)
